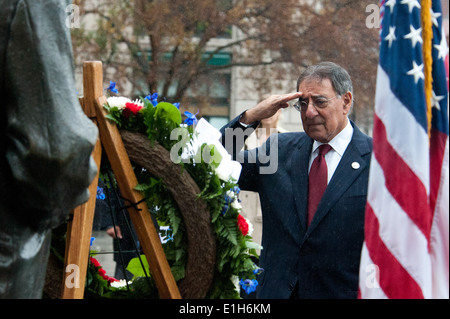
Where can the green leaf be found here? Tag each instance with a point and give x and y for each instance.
(235, 251)
(178, 272)
(168, 112)
(175, 220)
(211, 156)
(179, 253)
(252, 245)
(230, 230)
(112, 118)
(135, 266)
(143, 187)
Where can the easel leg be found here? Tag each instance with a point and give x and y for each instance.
(79, 231)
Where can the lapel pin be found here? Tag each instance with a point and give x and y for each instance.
(356, 165)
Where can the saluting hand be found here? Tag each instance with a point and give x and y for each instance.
(268, 107)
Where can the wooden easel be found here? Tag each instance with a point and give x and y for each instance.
(80, 227)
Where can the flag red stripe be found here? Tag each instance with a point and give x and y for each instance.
(391, 271)
(437, 149)
(407, 189)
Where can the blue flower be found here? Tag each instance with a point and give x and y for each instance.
(258, 271)
(153, 98)
(112, 87)
(92, 240)
(248, 285)
(228, 201)
(100, 194)
(170, 238)
(236, 189)
(177, 105)
(224, 209)
(191, 119)
(166, 235)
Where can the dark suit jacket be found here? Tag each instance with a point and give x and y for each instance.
(322, 260)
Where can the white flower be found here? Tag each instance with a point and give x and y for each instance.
(250, 227)
(231, 194)
(236, 205)
(224, 170)
(235, 281)
(119, 284)
(138, 102)
(118, 101)
(228, 169)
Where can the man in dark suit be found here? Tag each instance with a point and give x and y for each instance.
(312, 232)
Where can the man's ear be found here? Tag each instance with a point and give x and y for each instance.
(348, 102)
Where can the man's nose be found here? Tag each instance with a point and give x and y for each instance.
(311, 110)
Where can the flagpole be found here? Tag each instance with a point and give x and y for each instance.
(427, 34)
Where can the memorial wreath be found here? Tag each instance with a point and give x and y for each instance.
(189, 182)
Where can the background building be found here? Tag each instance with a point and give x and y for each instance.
(222, 57)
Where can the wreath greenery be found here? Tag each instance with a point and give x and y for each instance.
(235, 249)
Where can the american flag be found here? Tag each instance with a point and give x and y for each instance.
(406, 248)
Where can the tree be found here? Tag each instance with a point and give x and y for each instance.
(169, 45)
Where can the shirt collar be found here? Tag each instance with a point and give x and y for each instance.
(340, 142)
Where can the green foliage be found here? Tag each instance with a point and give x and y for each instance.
(160, 121)
(95, 282)
(139, 267)
(234, 250)
(142, 286)
(114, 115)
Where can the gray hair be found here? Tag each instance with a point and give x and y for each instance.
(339, 77)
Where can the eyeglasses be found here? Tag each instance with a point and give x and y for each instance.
(318, 102)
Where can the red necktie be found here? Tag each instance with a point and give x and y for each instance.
(318, 181)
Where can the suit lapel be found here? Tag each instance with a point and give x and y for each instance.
(299, 177)
(344, 176)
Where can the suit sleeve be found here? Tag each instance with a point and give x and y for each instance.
(49, 138)
(233, 139)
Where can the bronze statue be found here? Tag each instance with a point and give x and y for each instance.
(45, 140)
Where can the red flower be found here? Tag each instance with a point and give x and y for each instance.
(242, 224)
(94, 262)
(101, 271)
(131, 108)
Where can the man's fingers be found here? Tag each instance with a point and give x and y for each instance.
(290, 96)
(119, 232)
(280, 100)
(114, 232)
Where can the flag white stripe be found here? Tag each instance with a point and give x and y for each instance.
(396, 229)
(404, 134)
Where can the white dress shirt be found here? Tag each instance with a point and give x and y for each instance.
(339, 144)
